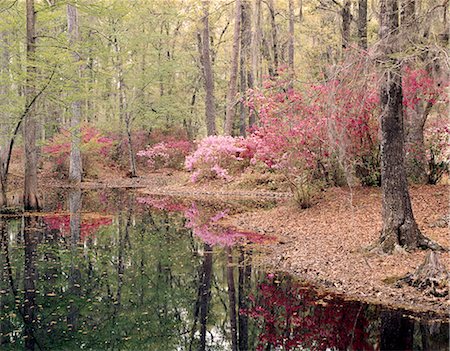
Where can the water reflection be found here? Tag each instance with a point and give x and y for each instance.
(163, 274)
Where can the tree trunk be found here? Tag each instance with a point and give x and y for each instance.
(273, 26)
(399, 225)
(346, 21)
(232, 86)
(246, 74)
(416, 159)
(416, 116)
(5, 118)
(291, 40)
(205, 58)
(124, 114)
(75, 165)
(255, 52)
(362, 24)
(30, 196)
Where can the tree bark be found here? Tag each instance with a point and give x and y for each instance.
(291, 39)
(256, 52)
(205, 58)
(362, 24)
(274, 32)
(232, 86)
(399, 225)
(30, 196)
(75, 164)
(346, 21)
(416, 116)
(246, 74)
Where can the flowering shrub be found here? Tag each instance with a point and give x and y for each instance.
(120, 155)
(94, 145)
(419, 86)
(218, 157)
(169, 154)
(318, 132)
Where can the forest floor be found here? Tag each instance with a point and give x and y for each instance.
(325, 244)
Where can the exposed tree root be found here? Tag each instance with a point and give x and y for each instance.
(426, 243)
(431, 277)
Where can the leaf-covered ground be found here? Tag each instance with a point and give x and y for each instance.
(326, 244)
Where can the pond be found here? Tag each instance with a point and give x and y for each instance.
(115, 270)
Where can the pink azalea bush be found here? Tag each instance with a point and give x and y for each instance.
(167, 154)
(217, 157)
(95, 146)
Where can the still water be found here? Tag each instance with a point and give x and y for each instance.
(119, 271)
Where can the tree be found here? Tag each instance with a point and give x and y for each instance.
(291, 37)
(346, 21)
(30, 196)
(232, 86)
(246, 74)
(75, 166)
(362, 24)
(399, 225)
(205, 58)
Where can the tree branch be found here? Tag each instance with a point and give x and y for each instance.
(19, 123)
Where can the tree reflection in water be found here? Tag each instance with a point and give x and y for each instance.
(164, 274)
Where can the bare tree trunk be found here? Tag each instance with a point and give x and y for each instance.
(399, 225)
(232, 86)
(255, 52)
(416, 116)
(124, 114)
(346, 21)
(4, 125)
(205, 58)
(75, 165)
(246, 74)
(30, 196)
(274, 32)
(291, 39)
(362, 24)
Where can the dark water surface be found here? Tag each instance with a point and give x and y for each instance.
(117, 271)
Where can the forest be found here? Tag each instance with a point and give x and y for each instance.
(265, 174)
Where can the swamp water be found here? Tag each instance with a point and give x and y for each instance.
(118, 271)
